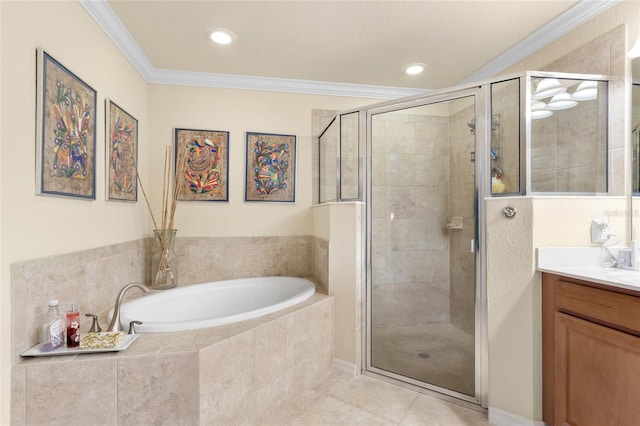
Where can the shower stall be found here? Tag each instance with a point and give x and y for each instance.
(423, 167)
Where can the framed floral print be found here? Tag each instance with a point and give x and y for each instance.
(270, 167)
(66, 132)
(206, 164)
(122, 153)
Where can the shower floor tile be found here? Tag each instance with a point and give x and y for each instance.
(439, 354)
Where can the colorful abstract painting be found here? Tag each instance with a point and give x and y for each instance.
(206, 169)
(66, 108)
(122, 154)
(271, 165)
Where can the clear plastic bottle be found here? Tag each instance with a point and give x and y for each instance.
(73, 325)
(52, 329)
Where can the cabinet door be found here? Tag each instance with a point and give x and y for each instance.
(597, 374)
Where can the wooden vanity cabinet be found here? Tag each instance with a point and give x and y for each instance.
(590, 353)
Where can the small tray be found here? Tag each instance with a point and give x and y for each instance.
(123, 344)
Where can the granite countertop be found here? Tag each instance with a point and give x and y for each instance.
(585, 263)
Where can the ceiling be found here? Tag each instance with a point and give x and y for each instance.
(354, 42)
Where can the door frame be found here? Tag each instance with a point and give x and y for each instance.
(482, 188)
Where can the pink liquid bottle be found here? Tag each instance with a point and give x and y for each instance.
(73, 326)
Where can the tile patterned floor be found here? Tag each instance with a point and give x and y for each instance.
(343, 400)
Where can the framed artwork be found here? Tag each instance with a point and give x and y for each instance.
(206, 164)
(122, 153)
(270, 167)
(66, 132)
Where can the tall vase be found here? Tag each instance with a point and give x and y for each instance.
(164, 273)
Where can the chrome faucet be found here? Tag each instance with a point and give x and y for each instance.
(115, 325)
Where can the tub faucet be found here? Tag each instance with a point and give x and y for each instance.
(115, 325)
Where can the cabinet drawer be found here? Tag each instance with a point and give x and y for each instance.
(616, 310)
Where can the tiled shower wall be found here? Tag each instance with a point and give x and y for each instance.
(93, 277)
(410, 199)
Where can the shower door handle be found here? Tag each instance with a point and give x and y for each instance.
(473, 245)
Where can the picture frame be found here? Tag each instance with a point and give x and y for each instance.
(122, 153)
(206, 164)
(65, 131)
(270, 172)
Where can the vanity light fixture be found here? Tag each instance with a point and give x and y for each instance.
(221, 35)
(548, 87)
(561, 101)
(413, 69)
(586, 91)
(539, 110)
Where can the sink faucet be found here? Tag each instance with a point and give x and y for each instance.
(115, 325)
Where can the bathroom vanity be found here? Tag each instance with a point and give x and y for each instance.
(590, 346)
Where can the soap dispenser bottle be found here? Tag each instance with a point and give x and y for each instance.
(52, 329)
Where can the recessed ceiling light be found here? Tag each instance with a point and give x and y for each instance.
(413, 69)
(221, 35)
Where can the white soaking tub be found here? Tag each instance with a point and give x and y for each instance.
(215, 303)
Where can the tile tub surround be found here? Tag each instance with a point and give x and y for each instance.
(93, 277)
(232, 374)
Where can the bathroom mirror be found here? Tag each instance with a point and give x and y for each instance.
(569, 136)
(635, 146)
(635, 136)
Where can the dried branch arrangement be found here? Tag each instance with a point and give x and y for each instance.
(171, 192)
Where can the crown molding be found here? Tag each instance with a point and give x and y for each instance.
(107, 19)
(111, 24)
(553, 30)
(232, 81)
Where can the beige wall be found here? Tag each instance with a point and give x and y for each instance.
(343, 278)
(237, 111)
(38, 226)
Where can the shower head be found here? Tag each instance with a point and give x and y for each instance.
(472, 126)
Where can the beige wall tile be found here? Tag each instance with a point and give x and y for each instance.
(159, 389)
(18, 396)
(71, 393)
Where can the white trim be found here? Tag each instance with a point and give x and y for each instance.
(553, 30)
(500, 417)
(107, 19)
(232, 81)
(344, 366)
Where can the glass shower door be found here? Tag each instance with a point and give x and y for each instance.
(422, 245)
